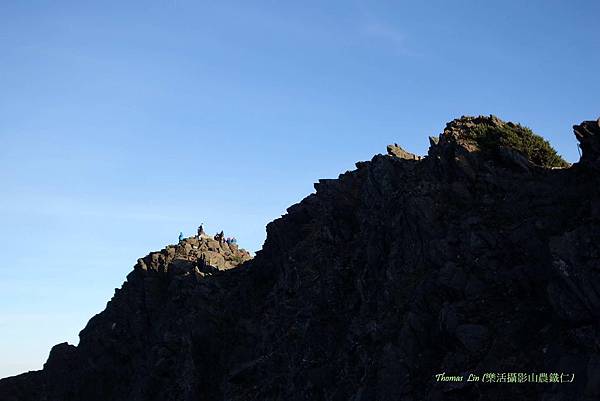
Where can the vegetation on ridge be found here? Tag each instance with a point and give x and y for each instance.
(534, 147)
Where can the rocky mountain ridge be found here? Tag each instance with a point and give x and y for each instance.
(472, 259)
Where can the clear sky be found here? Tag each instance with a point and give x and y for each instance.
(125, 122)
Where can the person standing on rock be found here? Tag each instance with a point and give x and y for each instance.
(180, 236)
(201, 231)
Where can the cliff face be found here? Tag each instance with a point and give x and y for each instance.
(464, 261)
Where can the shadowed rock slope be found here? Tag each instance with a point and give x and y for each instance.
(467, 260)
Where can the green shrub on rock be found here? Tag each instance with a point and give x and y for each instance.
(534, 147)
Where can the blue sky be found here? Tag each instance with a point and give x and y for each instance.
(123, 123)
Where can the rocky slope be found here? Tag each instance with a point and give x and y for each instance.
(467, 260)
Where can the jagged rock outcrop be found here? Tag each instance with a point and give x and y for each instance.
(397, 151)
(469, 260)
(194, 254)
(588, 135)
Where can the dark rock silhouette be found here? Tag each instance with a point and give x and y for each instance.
(459, 262)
